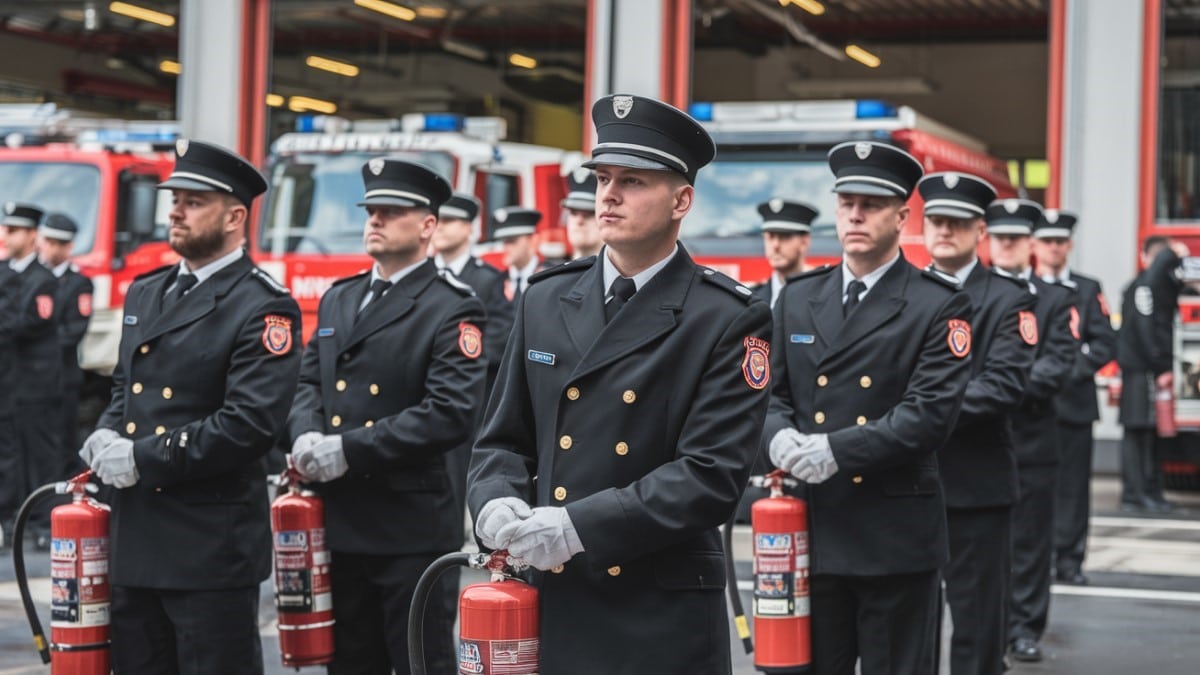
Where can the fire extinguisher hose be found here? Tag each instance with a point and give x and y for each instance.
(735, 598)
(416, 612)
(18, 555)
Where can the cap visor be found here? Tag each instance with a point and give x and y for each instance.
(19, 223)
(1009, 228)
(510, 232)
(855, 188)
(787, 229)
(621, 159)
(388, 201)
(578, 205)
(178, 183)
(952, 212)
(1052, 233)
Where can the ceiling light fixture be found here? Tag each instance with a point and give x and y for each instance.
(141, 14)
(169, 66)
(307, 104)
(274, 100)
(522, 61)
(863, 56)
(811, 6)
(389, 8)
(465, 50)
(331, 66)
(428, 12)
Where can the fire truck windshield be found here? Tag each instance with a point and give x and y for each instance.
(312, 207)
(60, 187)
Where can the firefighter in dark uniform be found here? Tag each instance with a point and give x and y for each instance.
(1145, 353)
(1010, 225)
(1075, 406)
(392, 381)
(39, 395)
(73, 300)
(516, 230)
(623, 426)
(12, 472)
(205, 373)
(871, 362)
(579, 212)
(977, 464)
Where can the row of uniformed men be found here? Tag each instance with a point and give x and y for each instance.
(45, 305)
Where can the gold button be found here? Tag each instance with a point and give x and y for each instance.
(130, 428)
(369, 423)
(335, 421)
(136, 388)
(374, 389)
(160, 430)
(819, 417)
(167, 393)
(861, 420)
(557, 569)
(857, 480)
(145, 349)
(560, 493)
(340, 385)
(822, 380)
(565, 442)
(629, 396)
(573, 393)
(158, 489)
(865, 382)
(614, 571)
(622, 448)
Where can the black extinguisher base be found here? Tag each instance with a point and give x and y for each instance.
(784, 670)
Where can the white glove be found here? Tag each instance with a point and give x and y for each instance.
(98, 439)
(305, 442)
(785, 448)
(322, 461)
(545, 539)
(496, 514)
(816, 464)
(113, 464)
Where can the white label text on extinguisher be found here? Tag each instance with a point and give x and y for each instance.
(502, 657)
(79, 592)
(302, 571)
(781, 575)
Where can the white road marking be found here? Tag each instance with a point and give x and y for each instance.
(1148, 523)
(1090, 591)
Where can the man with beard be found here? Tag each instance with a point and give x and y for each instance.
(205, 373)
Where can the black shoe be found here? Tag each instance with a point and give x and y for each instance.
(1159, 505)
(1026, 650)
(1072, 578)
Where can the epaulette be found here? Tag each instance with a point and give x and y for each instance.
(728, 283)
(569, 266)
(948, 280)
(1069, 284)
(454, 283)
(486, 267)
(352, 277)
(814, 272)
(157, 270)
(269, 282)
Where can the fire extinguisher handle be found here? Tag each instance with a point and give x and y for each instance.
(18, 555)
(416, 611)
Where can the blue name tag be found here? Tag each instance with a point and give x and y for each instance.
(130, 320)
(541, 357)
(802, 339)
(324, 332)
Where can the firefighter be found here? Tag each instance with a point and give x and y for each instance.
(12, 471)
(977, 464)
(871, 359)
(786, 228)
(1145, 353)
(392, 381)
(579, 211)
(622, 428)
(39, 395)
(1010, 225)
(205, 372)
(1075, 406)
(517, 233)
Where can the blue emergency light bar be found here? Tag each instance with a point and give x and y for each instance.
(866, 109)
(701, 111)
(117, 136)
(871, 109)
(443, 122)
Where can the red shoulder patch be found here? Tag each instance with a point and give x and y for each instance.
(959, 337)
(1075, 322)
(470, 340)
(277, 334)
(1027, 327)
(756, 365)
(1103, 304)
(85, 304)
(45, 306)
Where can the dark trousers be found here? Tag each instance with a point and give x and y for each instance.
(1141, 468)
(1032, 545)
(371, 598)
(160, 632)
(12, 474)
(887, 621)
(39, 435)
(977, 588)
(1073, 496)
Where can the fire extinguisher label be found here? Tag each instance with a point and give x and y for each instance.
(500, 657)
(302, 571)
(79, 582)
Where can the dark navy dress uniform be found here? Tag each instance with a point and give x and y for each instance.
(885, 383)
(202, 388)
(644, 428)
(12, 470)
(978, 465)
(401, 382)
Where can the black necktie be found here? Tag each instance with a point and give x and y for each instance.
(853, 290)
(183, 283)
(623, 289)
(378, 288)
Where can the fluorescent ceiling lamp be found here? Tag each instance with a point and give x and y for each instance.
(522, 61)
(859, 87)
(389, 8)
(306, 104)
(141, 13)
(863, 56)
(811, 6)
(274, 100)
(330, 66)
(169, 66)
(432, 12)
(465, 50)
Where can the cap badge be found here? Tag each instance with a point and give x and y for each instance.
(863, 150)
(376, 165)
(776, 205)
(1051, 216)
(501, 215)
(622, 105)
(9, 207)
(580, 174)
(950, 179)
(1011, 205)
(181, 147)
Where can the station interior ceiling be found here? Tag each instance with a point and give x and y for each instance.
(976, 65)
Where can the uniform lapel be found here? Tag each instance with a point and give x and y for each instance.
(197, 303)
(826, 307)
(882, 302)
(395, 303)
(582, 307)
(977, 285)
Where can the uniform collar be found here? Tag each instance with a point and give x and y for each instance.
(870, 279)
(213, 267)
(395, 278)
(641, 278)
(455, 265)
(61, 269)
(524, 272)
(22, 264)
(963, 273)
(1063, 276)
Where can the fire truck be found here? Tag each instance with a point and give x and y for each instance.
(310, 231)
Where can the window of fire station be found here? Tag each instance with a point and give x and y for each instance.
(1178, 198)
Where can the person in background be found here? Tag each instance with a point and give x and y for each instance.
(516, 230)
(579, 209)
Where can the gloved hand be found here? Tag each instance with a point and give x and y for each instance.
(545, 539)
(785, 448)
(98, 439)
(305, 442)
(113, 464)
(496, 514)
(816, 463)
(322, 461)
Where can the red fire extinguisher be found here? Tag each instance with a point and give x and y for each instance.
(1164, 411)
(303, 592)
(779, 524)
(79, 605)
(498, 621)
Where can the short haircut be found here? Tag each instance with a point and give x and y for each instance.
(1153, 242)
